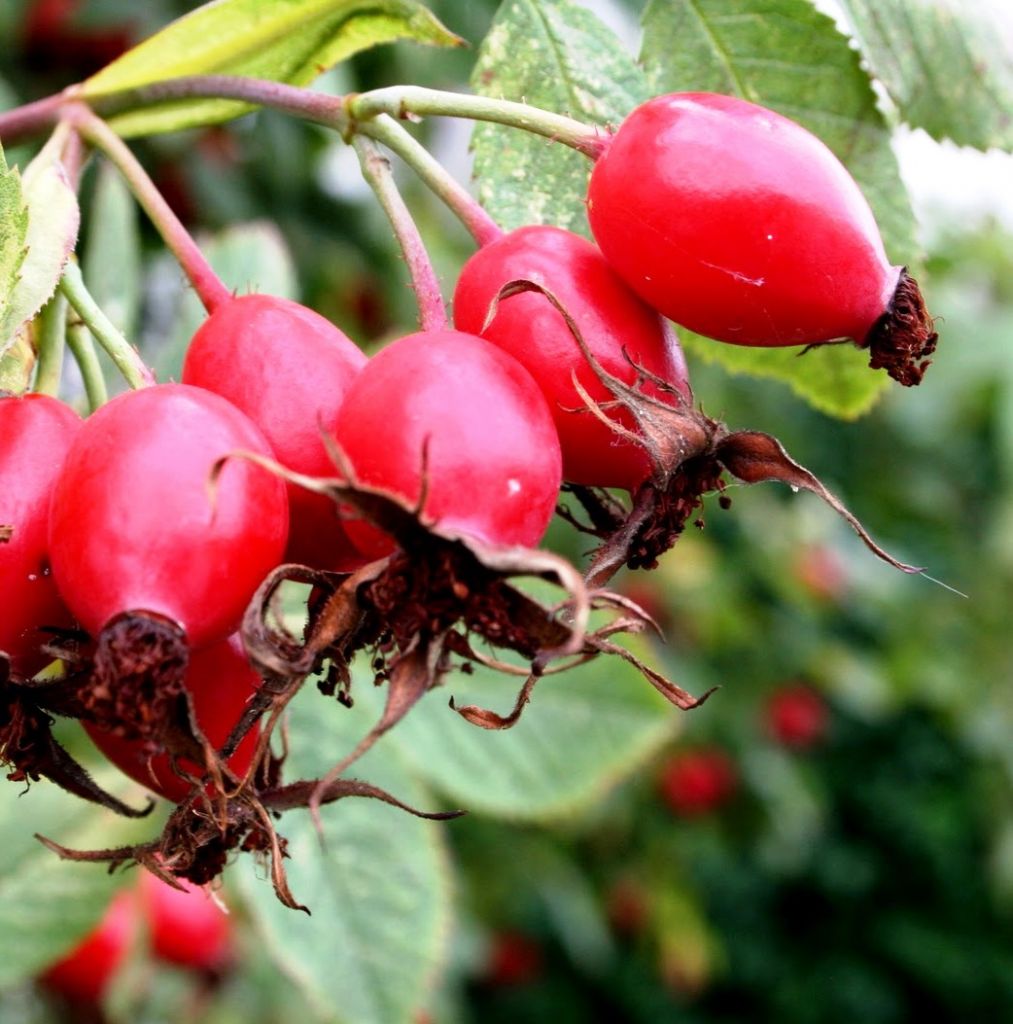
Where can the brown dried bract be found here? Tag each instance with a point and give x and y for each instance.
(689, 452)
(903, 339)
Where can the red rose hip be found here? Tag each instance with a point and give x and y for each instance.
(134, 526)
(35, 433)
(288, 369)
(741, 225)
(620, 330)
(478, 422)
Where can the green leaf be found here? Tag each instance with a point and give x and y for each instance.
(47, 904)
(248, 257)
(283, 40)
(13, 237)
(584, 730)
(787, 56)
(946, 64)
(112, 255)
(835, 379)
(51, 232)
(557, 55)
(378, 889)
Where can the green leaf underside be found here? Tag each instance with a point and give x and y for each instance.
(379, 889)
(13, 238)
(559, 56)
(945, 63)
(51, 231)
(583, 731)
(47, 904)
(787, 56)
(283, 40)
(835, 378)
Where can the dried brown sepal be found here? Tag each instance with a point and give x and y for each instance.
(6, 533)
(754, 457)
(903, 339)
(139, 666)
(688, 450)
(29, 749)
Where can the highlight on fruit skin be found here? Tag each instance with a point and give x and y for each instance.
(743, 226)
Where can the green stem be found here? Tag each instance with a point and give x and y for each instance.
(461, 202)
(82, 348)
(122, 353)
(376, 170)
(405, 101)
(52, 337)
(208, 285)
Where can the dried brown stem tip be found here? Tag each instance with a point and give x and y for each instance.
(140, 663)
(903, 338)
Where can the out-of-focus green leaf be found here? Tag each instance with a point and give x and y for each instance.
(282, 40)
(583, 731)
(557, 55)
(47, 904)
(378, 889)
(48, 237)
(785, 55)
(947, 64)
(251, 257)
(112, 257)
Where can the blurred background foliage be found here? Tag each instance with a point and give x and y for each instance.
(830, 839)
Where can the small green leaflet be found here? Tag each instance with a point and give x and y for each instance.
(785, 55)
(947, 64)
(289, 41)
(47, 228)
(13, 239)
(557, 55)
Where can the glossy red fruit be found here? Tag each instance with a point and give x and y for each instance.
(35, 433)
(133, 526)
(220, 680)
(288, 369)
(619, 328)
(741, 225)
(694, 783)
(187, 928)
(84, 974)
(797, 716)
(479, 421)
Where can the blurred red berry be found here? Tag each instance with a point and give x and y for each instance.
(696, 782)
(627, 906)
(514, 959)
(797, 716)
(84, 974)
(821, 572)
(187, 927)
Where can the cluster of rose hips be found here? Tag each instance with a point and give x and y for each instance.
(183, 927)
(412, 483)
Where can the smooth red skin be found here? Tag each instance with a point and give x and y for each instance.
(738, 224)
(220, 680)
(84, 974)
(797, 717)
(186, 928)
(612, 321)
(697, 782)
(132, 524)
(288, 369)
(35, 433)
(494, 465)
